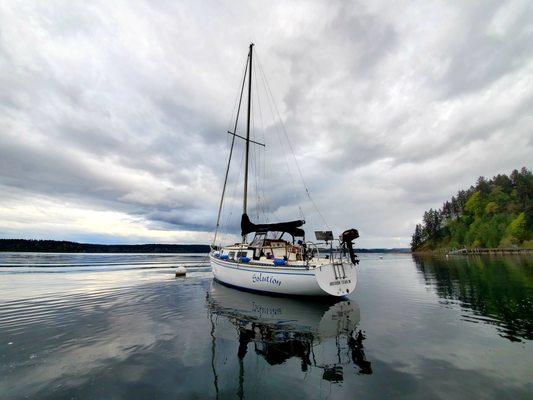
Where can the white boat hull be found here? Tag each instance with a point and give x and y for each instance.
(320, 281)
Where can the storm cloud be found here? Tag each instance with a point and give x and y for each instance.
(113, 115)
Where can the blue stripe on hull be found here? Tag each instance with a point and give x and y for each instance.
(244, 268)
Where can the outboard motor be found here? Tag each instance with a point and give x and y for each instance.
(346, 239)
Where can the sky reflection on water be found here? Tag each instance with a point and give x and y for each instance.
(415, 327)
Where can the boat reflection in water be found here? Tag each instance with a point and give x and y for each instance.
(321, 334)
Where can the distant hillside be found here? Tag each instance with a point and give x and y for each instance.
(492, 213)
(54, 246)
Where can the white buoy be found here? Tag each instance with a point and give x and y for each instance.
(181, 271)
(381, 257)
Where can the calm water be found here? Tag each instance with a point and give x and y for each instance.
(122, 327)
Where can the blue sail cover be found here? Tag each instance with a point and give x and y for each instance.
(290, 227)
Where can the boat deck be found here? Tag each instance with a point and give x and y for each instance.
(298, 265)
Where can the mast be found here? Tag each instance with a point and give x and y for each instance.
(245, 197)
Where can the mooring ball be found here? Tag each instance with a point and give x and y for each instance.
(181, 271)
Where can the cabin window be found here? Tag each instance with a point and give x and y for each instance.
(258, 240)
(274, 235)
(243, 254)
(231, 255)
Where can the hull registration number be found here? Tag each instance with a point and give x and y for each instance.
(343, 281)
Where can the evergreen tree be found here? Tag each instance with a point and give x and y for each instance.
(416, 239)
(492, 213)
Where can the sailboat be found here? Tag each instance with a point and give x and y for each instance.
(278, 260)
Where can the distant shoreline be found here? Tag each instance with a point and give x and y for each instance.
(61, 246)
(475, 251)
(56, 246)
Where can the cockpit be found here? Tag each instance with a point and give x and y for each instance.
(273, 245)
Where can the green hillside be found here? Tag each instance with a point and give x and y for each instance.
(492, 213)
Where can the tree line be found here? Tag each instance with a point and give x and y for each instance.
(495, 212)
(55, 246)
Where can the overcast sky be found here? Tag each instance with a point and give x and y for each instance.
(113, 114)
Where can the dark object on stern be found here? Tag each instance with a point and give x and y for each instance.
(346, 239)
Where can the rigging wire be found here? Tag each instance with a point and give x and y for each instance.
(235, 185)
(248, 61)
(271, 104)
(287, 164)
(264, 167)
(290, 144)
(257, 160)
(253, 156)
(238, 95)
(259, 155)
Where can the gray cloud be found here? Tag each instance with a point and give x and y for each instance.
(123, 108)
(484, 49)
